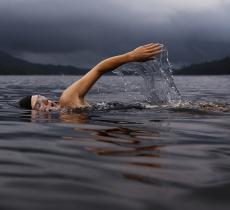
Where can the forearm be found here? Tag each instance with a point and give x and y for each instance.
(112, 63)
(140, 54)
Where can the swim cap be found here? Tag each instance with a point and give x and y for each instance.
(25, 102)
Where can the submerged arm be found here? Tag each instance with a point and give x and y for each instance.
(78, 89)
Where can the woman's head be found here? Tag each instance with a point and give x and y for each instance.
(37, 102)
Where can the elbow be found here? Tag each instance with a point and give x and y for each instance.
(64, 100)
(103, 67)
(99, 70)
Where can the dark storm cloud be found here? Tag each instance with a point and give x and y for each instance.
(83, 32)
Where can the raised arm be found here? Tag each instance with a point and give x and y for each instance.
(78, 89)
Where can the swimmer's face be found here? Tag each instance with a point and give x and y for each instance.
(41, 103)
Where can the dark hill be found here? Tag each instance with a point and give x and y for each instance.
(10, 65)
(217, 67)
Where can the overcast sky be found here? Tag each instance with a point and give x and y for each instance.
(82, 32)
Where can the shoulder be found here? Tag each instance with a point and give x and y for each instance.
(73, 102)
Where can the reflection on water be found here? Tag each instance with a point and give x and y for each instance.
(37, 116)
(128, 139)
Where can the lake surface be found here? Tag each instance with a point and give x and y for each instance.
(119, 156)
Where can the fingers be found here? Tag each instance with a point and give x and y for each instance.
(154, 49)
(152, 45)
(147, 45)
(147, 52)
(155, 52)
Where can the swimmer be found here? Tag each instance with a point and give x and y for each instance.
(74, 96)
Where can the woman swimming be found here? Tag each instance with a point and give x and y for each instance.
(73, 96)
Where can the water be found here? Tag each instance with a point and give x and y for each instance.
(122, 155)
(158, 85)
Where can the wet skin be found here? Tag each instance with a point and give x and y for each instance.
(41, 103)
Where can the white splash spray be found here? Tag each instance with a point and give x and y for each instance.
(158, 83)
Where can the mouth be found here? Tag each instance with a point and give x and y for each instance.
(53, 104)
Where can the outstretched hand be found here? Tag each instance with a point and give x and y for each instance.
(145, 52)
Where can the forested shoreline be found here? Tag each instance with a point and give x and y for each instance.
(10, 65)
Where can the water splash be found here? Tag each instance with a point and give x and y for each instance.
(158, 84)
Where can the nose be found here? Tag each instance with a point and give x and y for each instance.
(46, 102)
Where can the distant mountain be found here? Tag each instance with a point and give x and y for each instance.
(10, 65)
(217, 67)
